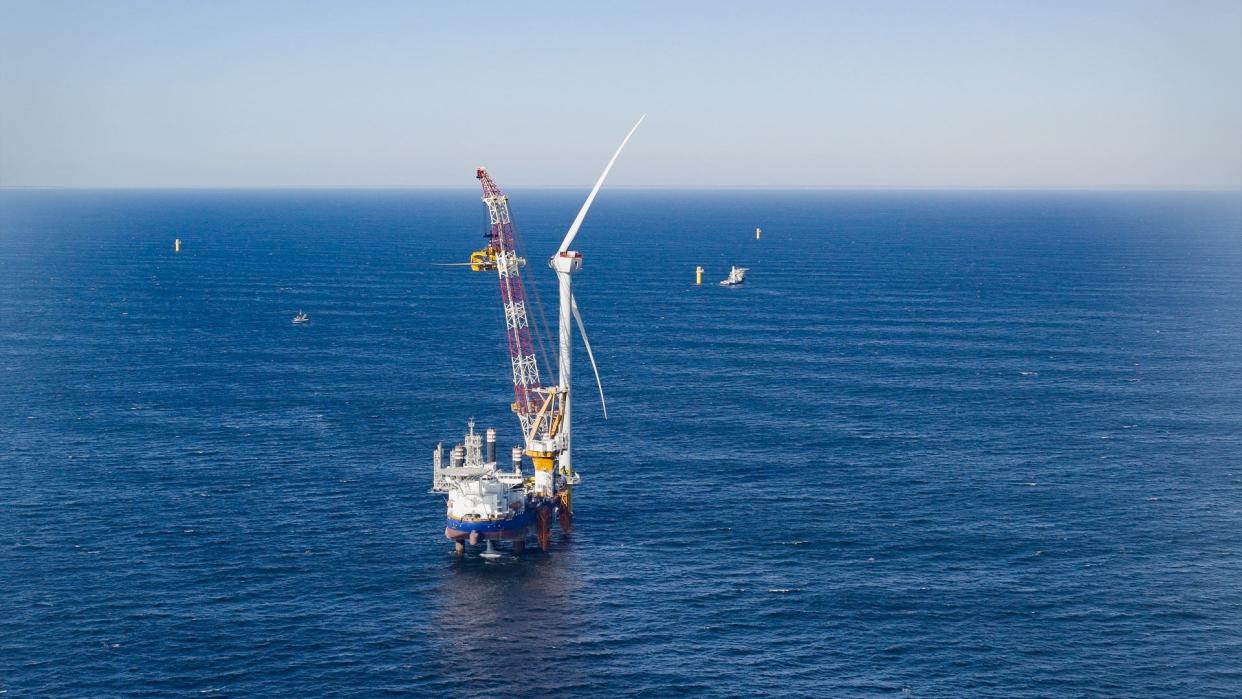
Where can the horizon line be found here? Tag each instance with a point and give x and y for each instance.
(687, 187)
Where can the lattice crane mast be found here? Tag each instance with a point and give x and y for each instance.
(528, 393)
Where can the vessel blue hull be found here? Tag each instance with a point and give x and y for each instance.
(516, 527)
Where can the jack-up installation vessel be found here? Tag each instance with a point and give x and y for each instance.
(486, 502)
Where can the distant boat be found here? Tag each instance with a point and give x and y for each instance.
(737, 275)
(301, 318)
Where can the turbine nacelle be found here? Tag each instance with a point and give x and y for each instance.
(566, 262)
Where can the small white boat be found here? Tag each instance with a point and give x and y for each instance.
(737, 275)
(301, 318)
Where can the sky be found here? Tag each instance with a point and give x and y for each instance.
(738, 94)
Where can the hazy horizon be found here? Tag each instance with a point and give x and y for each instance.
(895, 95)
(1224, 189)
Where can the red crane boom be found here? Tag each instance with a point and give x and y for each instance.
(526, 382)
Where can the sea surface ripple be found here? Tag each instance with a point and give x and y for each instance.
(940, 444)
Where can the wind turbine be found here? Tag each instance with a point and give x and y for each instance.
(566, 263)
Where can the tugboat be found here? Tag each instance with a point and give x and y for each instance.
(301, 318)
(737, 275)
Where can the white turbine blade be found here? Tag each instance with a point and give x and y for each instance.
(573, 229)
(573, 305)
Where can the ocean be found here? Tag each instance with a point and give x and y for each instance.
(939, 444)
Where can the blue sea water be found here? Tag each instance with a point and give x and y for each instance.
(940, 444)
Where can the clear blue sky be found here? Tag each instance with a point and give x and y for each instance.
(927, 94)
